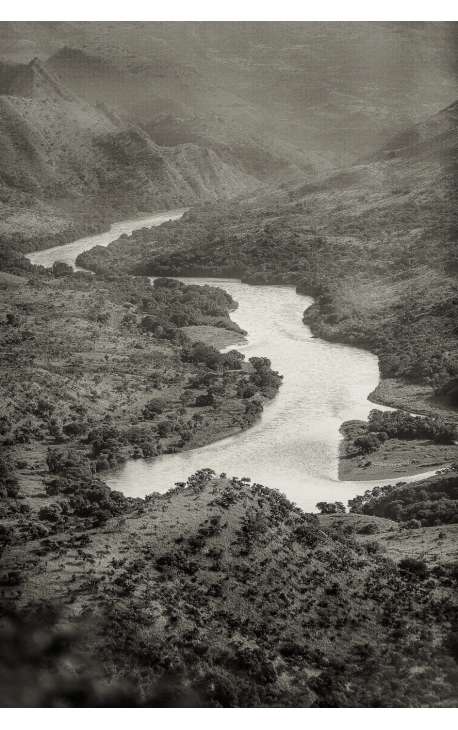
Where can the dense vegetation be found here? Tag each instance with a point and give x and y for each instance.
(433, 502)
(114, 376)
(383, 425)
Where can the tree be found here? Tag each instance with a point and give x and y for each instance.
(154, 408)
(60, 268)
(12, 320)
(414, 566)
(367, 444)
(330, 508)
(205, 400)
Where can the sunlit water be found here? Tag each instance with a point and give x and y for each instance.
(294, 446)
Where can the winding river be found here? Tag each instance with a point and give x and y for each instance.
(69, 251)
(294, 446)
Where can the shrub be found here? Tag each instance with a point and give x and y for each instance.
(51, 513)
(152, 409)
(367, 444)
(330, 508)
(414, 567)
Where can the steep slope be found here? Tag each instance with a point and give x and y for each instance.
(258, 154)
(60, 156)
(140, 85)
(143, 88)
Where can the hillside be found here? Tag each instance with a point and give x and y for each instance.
(60, 156)
(260, 155)
(221, 593)
(163, 98)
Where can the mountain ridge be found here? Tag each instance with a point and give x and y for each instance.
(57, 147)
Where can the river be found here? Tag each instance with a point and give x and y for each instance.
(68, 252)
(294, 446)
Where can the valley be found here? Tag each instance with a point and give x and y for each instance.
(229, 358)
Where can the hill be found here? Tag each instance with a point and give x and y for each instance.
(221, 593)
(61, 156)
(163, 98)
(255, 153)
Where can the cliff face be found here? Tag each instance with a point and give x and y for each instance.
(58, 150)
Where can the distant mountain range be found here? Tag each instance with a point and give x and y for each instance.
(101, 120)
(339, 89)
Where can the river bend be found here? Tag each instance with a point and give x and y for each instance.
(294, 446)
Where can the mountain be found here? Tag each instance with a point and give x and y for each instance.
(339, 89)
(61, 155)
(255, 153)
(163, 97)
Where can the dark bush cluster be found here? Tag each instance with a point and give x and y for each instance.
(432, 502)
(201, 354)
(402, 425)
(9, 486)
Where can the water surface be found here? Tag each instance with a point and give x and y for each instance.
(294, 446)
(69, 251)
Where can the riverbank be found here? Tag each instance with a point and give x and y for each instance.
(389, 458)
(44, 256)
(397, 458)
(82, 372)
(393, 460)
(216, 337)
(413, 398)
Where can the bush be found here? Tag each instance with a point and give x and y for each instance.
(56, 486)
(331, 508)
(73, 429)
(414, 567)
(367, 444)
(431, 502)
(205, 400)
(152, 409)
(51, 513)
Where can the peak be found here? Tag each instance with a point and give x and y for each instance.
(37, 81)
